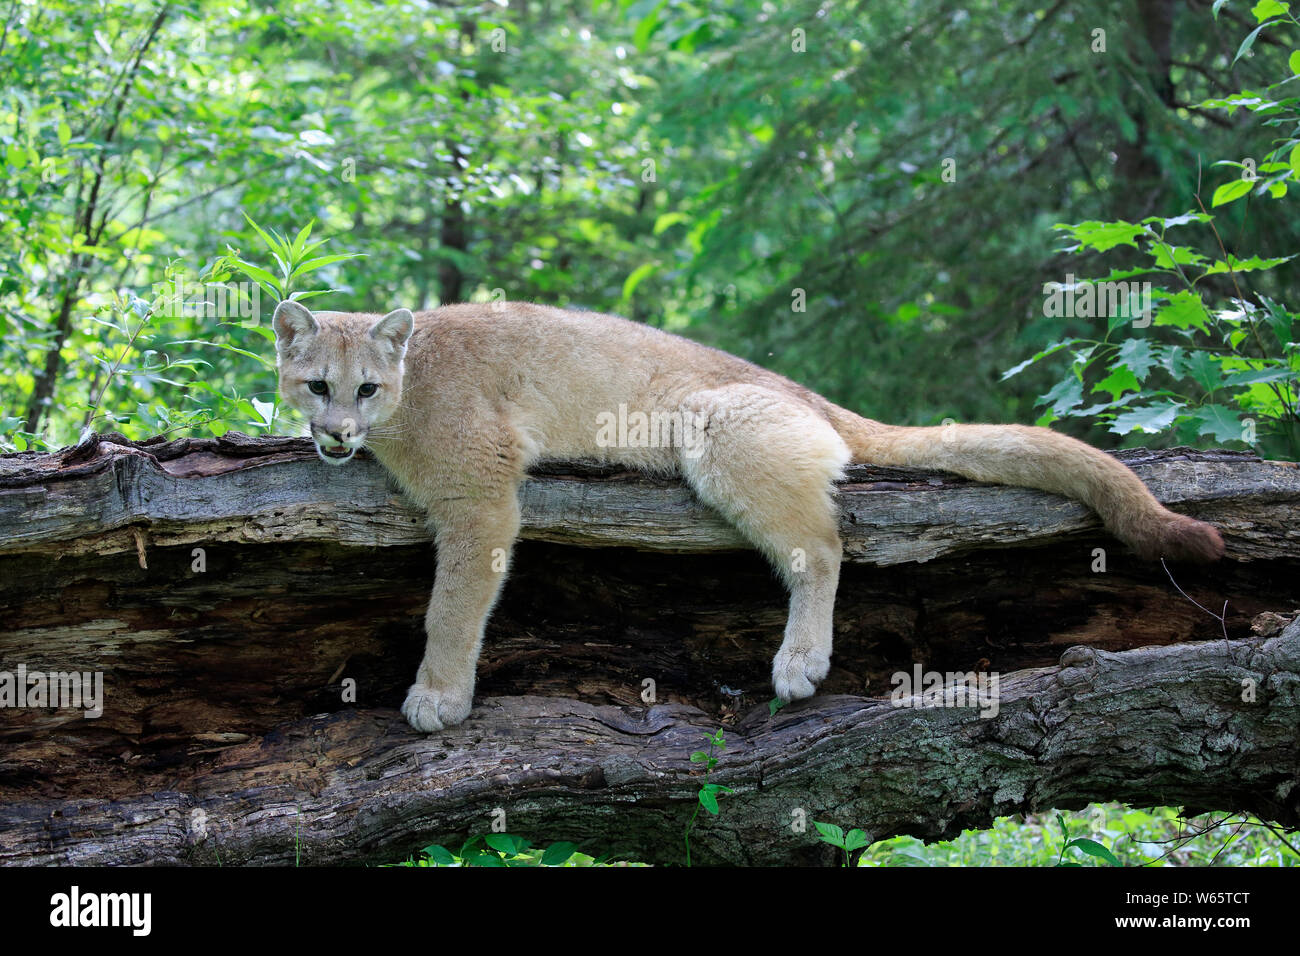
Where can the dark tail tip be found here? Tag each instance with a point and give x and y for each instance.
(1185, 539)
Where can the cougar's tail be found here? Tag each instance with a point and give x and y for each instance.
(1038, 458)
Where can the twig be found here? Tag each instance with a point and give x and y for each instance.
(1221, 618)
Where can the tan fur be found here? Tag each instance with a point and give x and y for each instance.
(479, 393)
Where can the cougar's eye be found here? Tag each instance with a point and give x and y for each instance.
(318, 387)
(368, 389)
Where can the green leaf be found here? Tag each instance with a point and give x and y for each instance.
(1254, 376)
(773, 705)
(311, 265)
(1184, 310)
(1093, 848)
(296, 247)
(1100, 407)
(470, 844)
(1293, 61)
(1231, 191)
(480, 858)
(1204, 369)
(635, 279)
(1180, 220)
(265, 411)
(1173, 359)
(1269, 8)
(1253, 264)
(646, 27)
(269, 283)
(1149, 419)
(1054, 347)
(1167, 256)
(440, 855)
(1139, 356)
(271, 244)
(709, 801)
(855, 840)
(558, 853)
(830, 833)
(268, 363)
(668, 220)
(1247, 43)
(263, 331)
(1119, 381)
(1219, 421)
(506, 843)
(1065, 395)
(1104, 235)
(1279, 319)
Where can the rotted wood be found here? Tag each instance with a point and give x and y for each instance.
(257, 617)
(1158, 725)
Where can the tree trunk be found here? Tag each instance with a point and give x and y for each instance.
(257, 617)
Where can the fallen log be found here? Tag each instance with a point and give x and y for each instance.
(256, 615)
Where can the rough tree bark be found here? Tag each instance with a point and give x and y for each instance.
(257, 617)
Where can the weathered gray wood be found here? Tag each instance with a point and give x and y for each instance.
(111, 496)
(224, 687)
(1158, 725)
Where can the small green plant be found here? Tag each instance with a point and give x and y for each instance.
(293, 260)
(836, 837)
(708, 796)
(497, 849)
(1083, 845)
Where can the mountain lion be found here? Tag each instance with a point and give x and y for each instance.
(457, 403)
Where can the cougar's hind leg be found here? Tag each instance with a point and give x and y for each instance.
(767, 462)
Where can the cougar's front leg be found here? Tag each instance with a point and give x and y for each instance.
(474, 540)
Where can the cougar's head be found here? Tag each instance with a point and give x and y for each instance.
(343, 370)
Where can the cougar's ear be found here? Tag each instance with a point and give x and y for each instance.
(291, 320)
(394, 328)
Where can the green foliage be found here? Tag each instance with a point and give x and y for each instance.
(849, 842)
(502, 849)
(1205, 362)
(1159, 836)
(775, 184)
(708, 795)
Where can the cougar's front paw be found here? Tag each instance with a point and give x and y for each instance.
(429, 710)
(795, 674)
